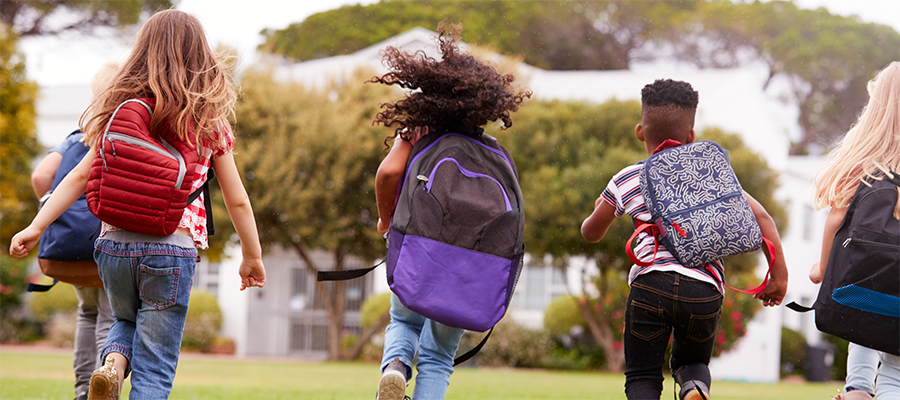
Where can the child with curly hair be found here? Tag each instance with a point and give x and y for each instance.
(456, 94)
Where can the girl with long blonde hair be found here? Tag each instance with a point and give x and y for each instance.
(148, 278)
(869, 151)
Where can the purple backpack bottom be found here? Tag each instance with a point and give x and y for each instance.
(452, 285)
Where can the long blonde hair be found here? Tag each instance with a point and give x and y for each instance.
(870, 149)
(172, 62)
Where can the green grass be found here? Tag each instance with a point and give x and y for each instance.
(26, 374)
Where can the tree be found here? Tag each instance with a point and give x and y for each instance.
(18, 143)
(825, 59)
(566, 152)
(309, 158)
(30, 17)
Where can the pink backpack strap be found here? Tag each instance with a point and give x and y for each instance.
(770, 247)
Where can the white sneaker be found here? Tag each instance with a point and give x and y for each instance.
(392, 385)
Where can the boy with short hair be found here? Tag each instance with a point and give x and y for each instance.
(667, 298)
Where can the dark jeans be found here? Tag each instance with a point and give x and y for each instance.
(663, 305)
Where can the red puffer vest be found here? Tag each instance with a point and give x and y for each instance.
(140, 181)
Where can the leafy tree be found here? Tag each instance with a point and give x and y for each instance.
(18, 142)
(30, 17)
(566, 153)
(826, 59)
(309, 158)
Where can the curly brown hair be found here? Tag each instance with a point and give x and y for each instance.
(458, 93)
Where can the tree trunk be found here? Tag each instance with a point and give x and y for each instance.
(366, 336)
(598, 325)
(333, 300)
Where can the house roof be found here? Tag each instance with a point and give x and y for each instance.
(731, 99)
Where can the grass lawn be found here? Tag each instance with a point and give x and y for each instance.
(27, 373)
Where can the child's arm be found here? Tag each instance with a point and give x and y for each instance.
(43, 174)
(387, 181)
(776, 288)
(832, 223)
(252, 270)
(595, 225)
(68, 190)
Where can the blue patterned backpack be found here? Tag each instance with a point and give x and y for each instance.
(697, 207)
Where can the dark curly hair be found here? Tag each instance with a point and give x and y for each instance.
(458, 93)
(667, 110)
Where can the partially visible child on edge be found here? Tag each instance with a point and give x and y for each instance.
(689, 300)
(459, 94)
(94, 313)
(870, 147)
(172, 62)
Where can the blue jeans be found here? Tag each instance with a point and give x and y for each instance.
(436, 344)
(887, 385)
(862, 366)
(663, 305)
(149, 286)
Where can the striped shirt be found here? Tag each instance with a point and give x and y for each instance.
(624, 193)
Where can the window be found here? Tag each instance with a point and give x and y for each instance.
(298, 281)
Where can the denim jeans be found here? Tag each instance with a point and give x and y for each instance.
(436, 344)
(887, 384)
(149, 285)
(663, 305)
(862, 365)
(91, 330)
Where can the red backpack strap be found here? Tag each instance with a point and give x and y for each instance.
(644, 226)
(770, 247)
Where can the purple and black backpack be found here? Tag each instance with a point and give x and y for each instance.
(456, 241)
(455, 244)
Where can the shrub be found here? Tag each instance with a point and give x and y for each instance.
(839, 367)
(513, 345)
(373, 308)
(60, 329)
(561, 315)
(204, 320)
(60, 299)
(793, 353)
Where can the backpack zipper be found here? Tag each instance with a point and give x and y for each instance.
(851, 240)
(719, 200)
(430, 180)
(168, 151)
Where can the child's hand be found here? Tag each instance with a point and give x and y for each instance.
(383, 226)
(24, 241)
(774, 292)
(816, 274)
(252, 272)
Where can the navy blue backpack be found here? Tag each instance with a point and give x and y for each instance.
(698, 209)
(71, 237)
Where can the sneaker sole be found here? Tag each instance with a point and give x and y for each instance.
(101, 388)
(391, 387)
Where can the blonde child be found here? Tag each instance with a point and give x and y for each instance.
(870, 149)
(148, 278)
